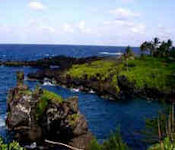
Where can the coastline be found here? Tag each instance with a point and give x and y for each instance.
(102, 88)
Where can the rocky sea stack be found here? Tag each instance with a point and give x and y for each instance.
(40, 114)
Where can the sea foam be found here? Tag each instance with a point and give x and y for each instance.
(108, 53)
(2, 122)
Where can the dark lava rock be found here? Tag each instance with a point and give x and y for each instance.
(59, 121)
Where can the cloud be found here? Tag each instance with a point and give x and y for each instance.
(125, 26)
(163, 32)
(68, 28)
(37, 6)
(124, 14)
(48, 29)
(138, 28)
(79, 27)
(82, 27)
(128, 1)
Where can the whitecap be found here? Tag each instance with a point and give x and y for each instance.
(2, 122)
(47, 55)
(47, 83)
(75, 90)
(32, 146)
(108, 53)
(91, 91)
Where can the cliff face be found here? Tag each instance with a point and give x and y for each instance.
(38, 115)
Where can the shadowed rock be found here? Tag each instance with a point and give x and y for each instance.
(35, 117)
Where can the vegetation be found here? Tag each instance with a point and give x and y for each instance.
(26, 92)
(48, 95)
(157, 48)
(128, 52)
(72, 119)
(101, 70)
(44, 99)
(144, 72)
(151, 72)
(161, 131)
(114, 142)
(10, 146)
(166, 144)
(155, 71)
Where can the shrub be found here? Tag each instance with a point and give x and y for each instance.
(44, 100)
(165, 132)
(150, 72)
(94, 145)
(10, 146)
(48, 95)
(114, 142)
(167, 144)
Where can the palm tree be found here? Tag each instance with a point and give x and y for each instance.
(172, 52)
(128, 51)
(143, 47)
(147, 46)
(169, 46)
(156, 41)
(169, 43)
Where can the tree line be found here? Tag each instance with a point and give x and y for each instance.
(157, 48)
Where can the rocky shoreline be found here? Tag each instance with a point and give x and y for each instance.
(54, 68)
(103, 89)
(61, 62)
(40, 115)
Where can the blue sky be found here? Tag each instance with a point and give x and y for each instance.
(86, 22)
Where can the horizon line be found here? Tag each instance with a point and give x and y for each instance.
(67, 44)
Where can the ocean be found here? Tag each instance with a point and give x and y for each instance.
(103, 116)
(34, 52)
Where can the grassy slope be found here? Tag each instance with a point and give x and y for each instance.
(145, 71)
(101, 70)
(151, 72)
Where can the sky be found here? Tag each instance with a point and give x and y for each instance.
(86, 22)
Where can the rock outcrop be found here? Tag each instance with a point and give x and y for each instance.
(38, 115)
(102, 88)
(62, 62)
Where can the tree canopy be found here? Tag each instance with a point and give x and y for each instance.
(158, 48)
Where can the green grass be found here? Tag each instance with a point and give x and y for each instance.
(72, 119)
(48, 95)
(100, 70)
(44, 100)
(26, 92)
(151, 72)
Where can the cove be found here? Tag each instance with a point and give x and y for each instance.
(103, 116)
